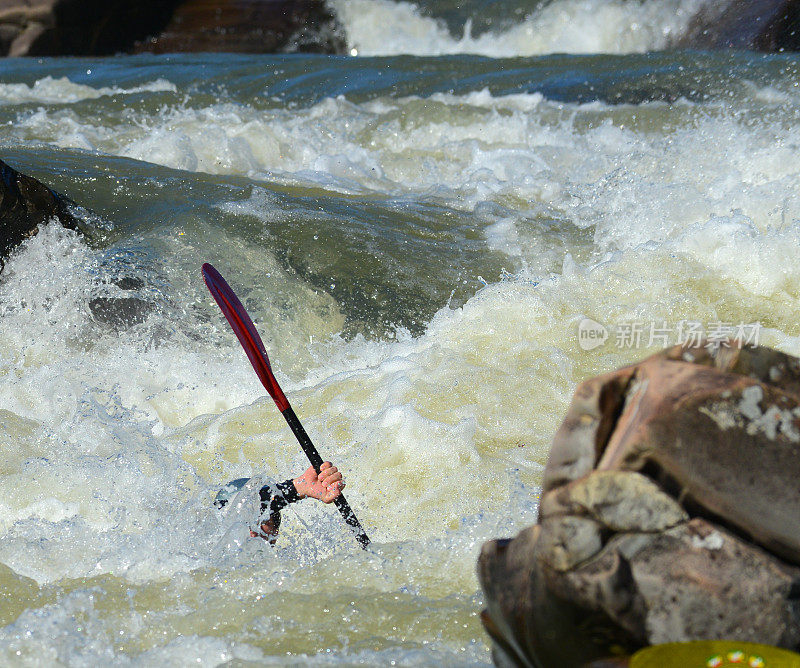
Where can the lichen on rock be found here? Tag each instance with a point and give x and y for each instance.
(670, 512)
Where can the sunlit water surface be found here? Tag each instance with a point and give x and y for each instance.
(417, 239)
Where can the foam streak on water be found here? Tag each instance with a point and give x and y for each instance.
(417, 265)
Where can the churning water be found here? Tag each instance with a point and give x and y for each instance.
(418, 232)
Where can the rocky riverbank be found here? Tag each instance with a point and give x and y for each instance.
(669, 513)
(95, 28)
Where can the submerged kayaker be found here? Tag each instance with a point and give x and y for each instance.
(325, 486)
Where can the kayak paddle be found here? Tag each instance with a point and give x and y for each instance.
(245, 331)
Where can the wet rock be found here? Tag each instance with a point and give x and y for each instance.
(121, 300)
(670, 512)
(25, 203)
(249, 26)
(761, 25)
(120, 312)
(78, 27)
(106, 27)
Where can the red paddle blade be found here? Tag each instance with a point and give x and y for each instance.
(245, 331)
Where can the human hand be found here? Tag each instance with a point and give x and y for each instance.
(326, 486)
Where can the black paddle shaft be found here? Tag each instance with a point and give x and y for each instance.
(316, 461)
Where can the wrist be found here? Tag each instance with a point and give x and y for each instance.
(300, 487)
(284, 494)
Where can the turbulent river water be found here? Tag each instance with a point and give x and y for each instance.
(419, 232)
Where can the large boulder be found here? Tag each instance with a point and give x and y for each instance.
(78, 27)
(670, 512)
(25, 203)
(249, 26)
(760, 25)
(106, 27)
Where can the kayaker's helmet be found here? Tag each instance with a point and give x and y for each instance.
(234, 486)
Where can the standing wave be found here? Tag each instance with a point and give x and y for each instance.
(386, 27)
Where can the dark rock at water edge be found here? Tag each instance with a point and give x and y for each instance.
(669, 513)
(106, 27)
(760, 25)
(249, 26)
(25, 203)
(78, 27)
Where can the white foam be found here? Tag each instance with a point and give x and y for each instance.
(387, 27)
(107, 468)
(49, 90)
(596, 166)
(73, 632)
(442, 439)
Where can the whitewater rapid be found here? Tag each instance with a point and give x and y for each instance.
(417, 255)
(388, 28)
